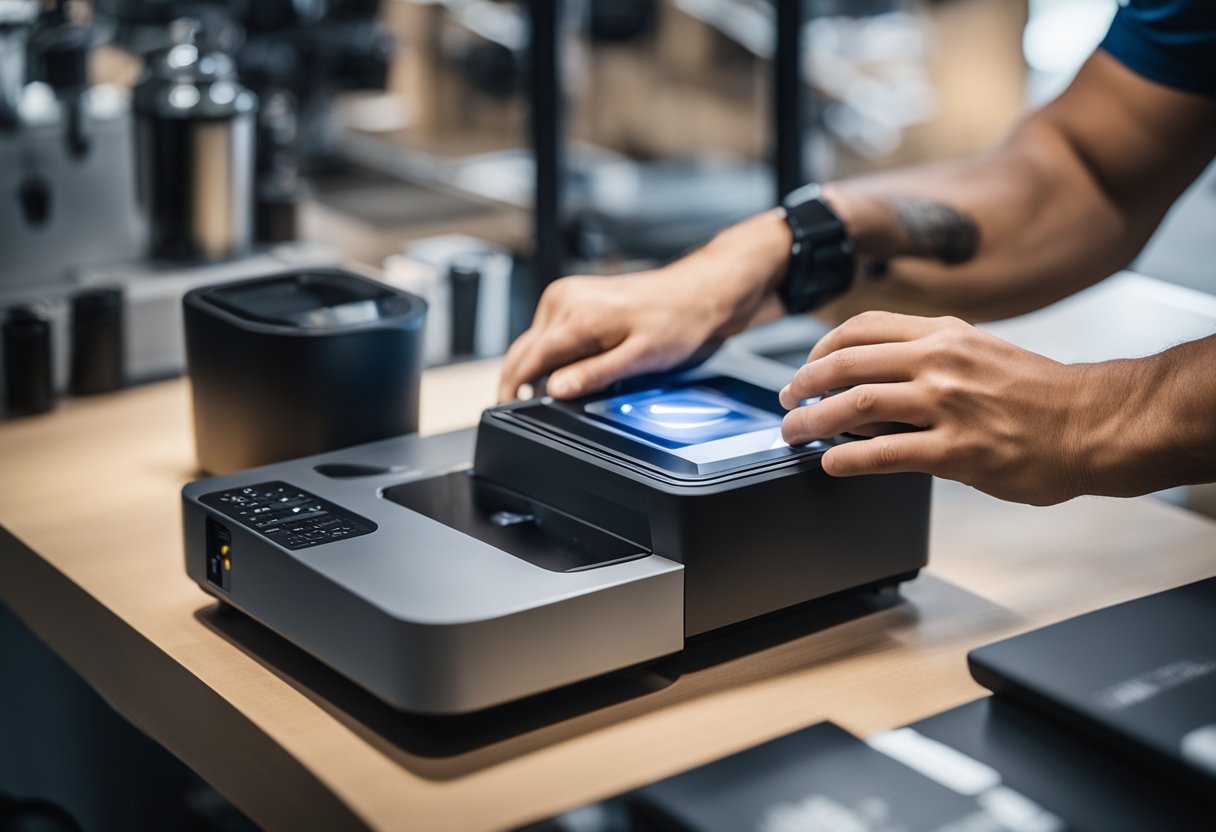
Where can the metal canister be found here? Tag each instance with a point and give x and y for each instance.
(195, 150)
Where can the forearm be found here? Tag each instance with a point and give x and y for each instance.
(1070, 197)
(1149, 423)
(1002, 232)
(993, 235)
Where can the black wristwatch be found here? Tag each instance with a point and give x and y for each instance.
(821, 258)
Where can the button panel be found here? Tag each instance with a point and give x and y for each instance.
(290, 517)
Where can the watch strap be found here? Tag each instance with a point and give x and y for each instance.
(821, 263)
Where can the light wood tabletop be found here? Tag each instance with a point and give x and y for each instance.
(92, 563)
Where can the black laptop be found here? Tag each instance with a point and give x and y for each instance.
(1139, 678)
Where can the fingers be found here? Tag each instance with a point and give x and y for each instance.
(510, 379)
(855, 410)
(535, 351)
(891, 454)
(542, 353)
(849, 366)
(877, 328)
(629, 358)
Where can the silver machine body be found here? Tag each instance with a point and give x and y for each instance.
(428, 619)
(419, 605)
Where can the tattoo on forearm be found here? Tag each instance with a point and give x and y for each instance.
(937, 230)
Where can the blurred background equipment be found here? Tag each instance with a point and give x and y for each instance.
(381, 124)
(145, 180)
(161, 145)
(28, 376)
(67, 186)
(667, 107)
(98, 360)
(466, 283)
(195, 131)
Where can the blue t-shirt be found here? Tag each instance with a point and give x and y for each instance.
(1172, 42)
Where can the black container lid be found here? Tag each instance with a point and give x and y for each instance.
(317, 300)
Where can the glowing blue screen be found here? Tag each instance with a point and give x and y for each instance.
(681, 418)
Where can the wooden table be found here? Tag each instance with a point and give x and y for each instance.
(93, 567)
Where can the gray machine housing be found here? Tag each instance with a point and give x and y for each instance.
(434, 600)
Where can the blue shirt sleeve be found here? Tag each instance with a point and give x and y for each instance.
(1172, 42)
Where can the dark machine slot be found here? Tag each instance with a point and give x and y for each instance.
(531, 531)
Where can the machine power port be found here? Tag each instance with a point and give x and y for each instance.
(219, 555)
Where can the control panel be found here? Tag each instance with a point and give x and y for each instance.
(289, 516)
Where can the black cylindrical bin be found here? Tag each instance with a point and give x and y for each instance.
(97, 351)
(29, 384)
(298, 364)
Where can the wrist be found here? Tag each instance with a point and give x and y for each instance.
(756, 252)
(740, 268)
(1112, 437)
(870, 222)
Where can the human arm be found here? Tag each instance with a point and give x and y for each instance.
(1070, 197)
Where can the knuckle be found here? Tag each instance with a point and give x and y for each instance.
(864, 400)
(553, 292)
(885, 454)
(870, 316)
(804, 377)
(945, 389)
(858, 322)
(601, 340)
(644, 342)
(947, 340)
(845, 359)
(957, 339)
(554, 335)
(560, 290)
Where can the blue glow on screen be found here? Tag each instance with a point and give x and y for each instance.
(679, 418)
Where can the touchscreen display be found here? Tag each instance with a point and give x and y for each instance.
(700, 424)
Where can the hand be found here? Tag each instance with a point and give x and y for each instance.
(592, 331)
(1004, 420)
(600, 329)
